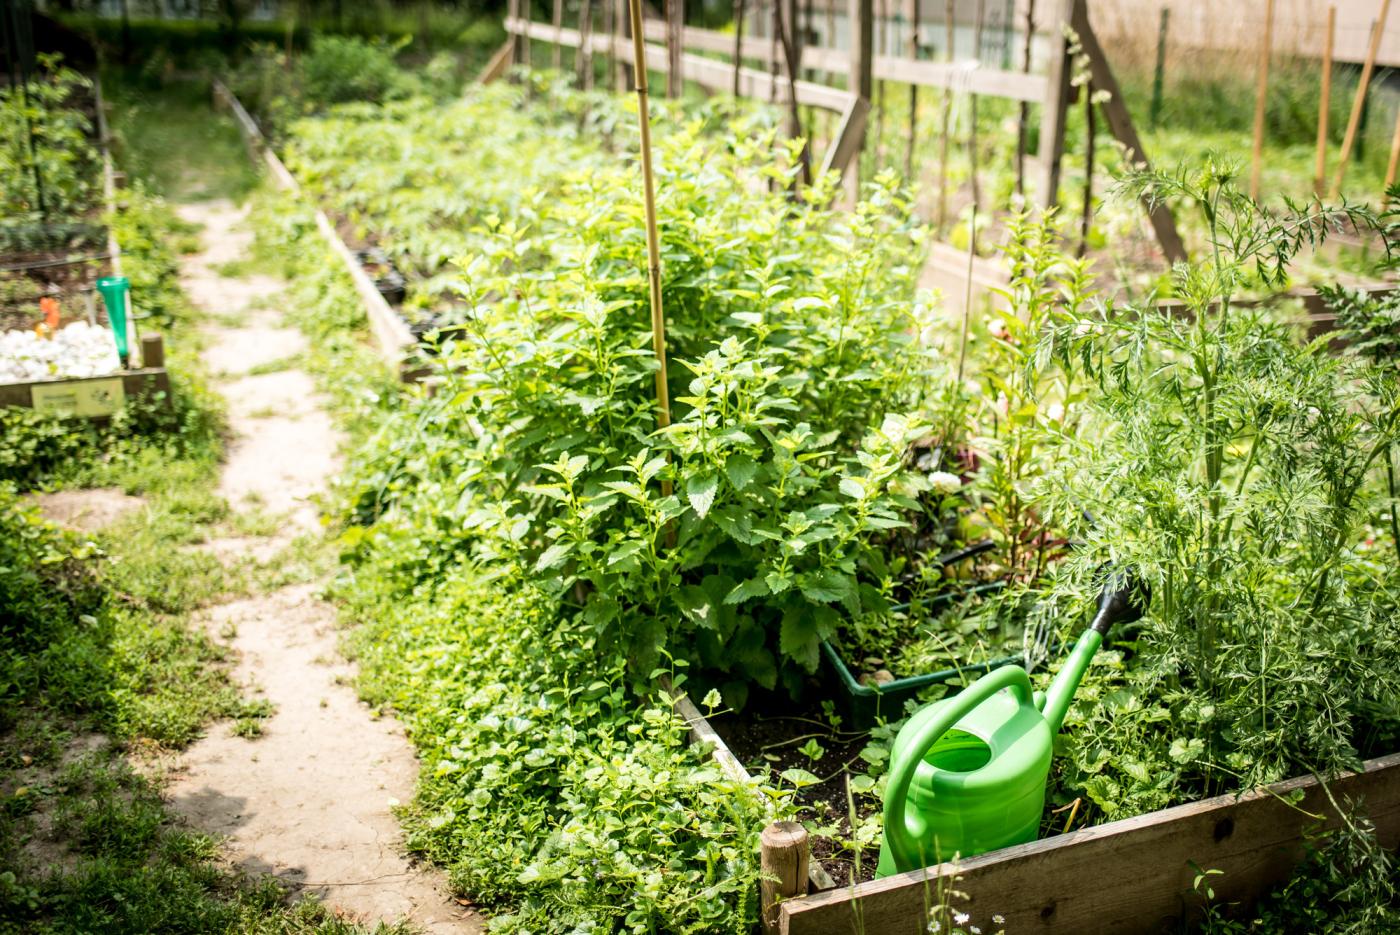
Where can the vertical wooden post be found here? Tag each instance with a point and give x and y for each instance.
(525, 44)
(830, 38)
(1159, 73)
(783, 860)
(1086, 218)
(1052, 116)
(610, 55)
(792, 56)
(1394, 153)
(862, 17)
(675, 47)
(881, 47)
(915, 13)
(1261, 100)
(584, 61)
(557, 21)
(1359, 101)
(972, 144)
(1024, 115)
(949, 9)
(517, 42)
(776, 26)
(152, 351)
(623, 76)
(1324, 106)
(658, 318)
(738, 42)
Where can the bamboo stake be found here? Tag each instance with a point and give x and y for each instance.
(949, 9)
(1261, 94)
(1325, 105)
(1359, 101)
(658, 320)
(1394, 154)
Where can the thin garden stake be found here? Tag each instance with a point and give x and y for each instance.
(967, 294)
(948, 11)
(1261, 96)
(914, 15)
(557, 21)
(1358, 103)
(1394, 154)
(738, 42)
(1024, 115)
(1324, 104)
(658, 320)
(1160, 72)
(1086, 219)
(972, 143)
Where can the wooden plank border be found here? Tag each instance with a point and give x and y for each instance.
(392, 337)
(703, 733)
(1133, 875)
(719, 76)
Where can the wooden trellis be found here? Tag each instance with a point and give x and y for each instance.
(1053, 90)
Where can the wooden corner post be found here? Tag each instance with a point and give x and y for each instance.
(783, 859)
(1057, 90)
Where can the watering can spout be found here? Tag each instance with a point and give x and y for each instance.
(1123, 599)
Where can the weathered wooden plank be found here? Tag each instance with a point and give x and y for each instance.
(701, 732)
(1133, 875)
(1056, 103)
(137, 384)
(391, 334)
(498, 63)
(706, 72)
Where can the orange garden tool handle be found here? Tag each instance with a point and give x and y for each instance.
(906, 852)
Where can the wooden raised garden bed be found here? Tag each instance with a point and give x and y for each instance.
(393, 339)
(96, 397)
(1131, 875)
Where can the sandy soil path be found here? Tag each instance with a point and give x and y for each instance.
(310, 800)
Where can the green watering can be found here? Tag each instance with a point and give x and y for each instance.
(115, 290)
(968, 773)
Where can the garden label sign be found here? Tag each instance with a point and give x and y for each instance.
(79, 398)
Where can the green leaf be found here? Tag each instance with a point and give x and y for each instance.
(853, 487)
(700, 491)
(741, 470)
(754, 587)
(552, 556)
(798, 641)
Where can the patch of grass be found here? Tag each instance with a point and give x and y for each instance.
(275, 366)
(89, 847)
(169, 139)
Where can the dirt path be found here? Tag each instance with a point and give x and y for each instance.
(308, 801)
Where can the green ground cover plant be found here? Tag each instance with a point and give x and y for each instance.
(525, 544)
(48, 162)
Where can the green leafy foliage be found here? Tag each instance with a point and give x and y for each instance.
(48, 164)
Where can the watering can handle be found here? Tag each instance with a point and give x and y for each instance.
(905, 851)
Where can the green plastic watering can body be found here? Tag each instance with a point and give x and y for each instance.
(114, 291)
(968, 773)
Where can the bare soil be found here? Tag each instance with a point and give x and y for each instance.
(310, 800)
(87, 510)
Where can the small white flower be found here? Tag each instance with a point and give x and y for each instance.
(945, 483)
(1055, 412)
(960, 917)
(998, 918)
